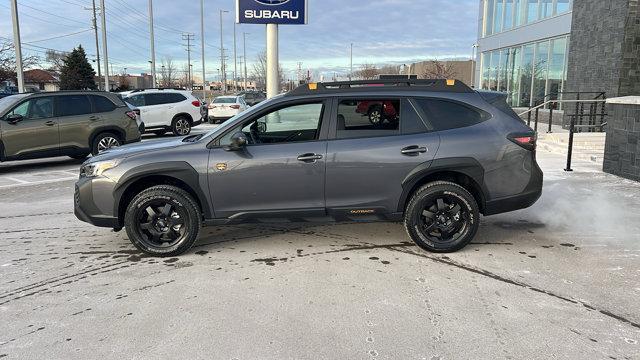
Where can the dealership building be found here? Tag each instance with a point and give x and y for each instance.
(537, 49)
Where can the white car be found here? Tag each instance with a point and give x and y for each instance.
(165, 110)
(225, 107)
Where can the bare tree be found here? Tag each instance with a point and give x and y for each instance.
(259, 72)
(56, 60)
(367, 72)
(167, 72)
(390, 70)
(8, 61)
(436, 69)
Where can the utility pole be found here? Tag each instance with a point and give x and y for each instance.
(17, 44)
(235, 58)
(223, 69)
(95, 30)
(244, 44)
(204, 72)
(153, 48)
(188, 38)
(103, 18)
(351, 66)
(273, 76)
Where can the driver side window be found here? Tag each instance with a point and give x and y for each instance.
(297, 123)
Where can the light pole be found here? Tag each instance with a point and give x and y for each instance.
(204, 72)
(103, 21)
(474, 50)
(222, 65)
(273, 77)
(351, 64)
(244, 44)
(235, 58)
(17, 44)
(153, 43)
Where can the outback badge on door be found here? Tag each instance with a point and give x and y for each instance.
(221, 166)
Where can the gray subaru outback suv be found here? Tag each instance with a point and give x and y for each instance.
(439, 155)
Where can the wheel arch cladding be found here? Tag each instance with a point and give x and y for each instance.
(107, 129)
(184, 115)
(179, 174)
(466, 172)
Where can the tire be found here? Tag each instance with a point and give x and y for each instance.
(105, 141)
(159, 132)
(158, 230)
(79, 156)
(375, 115)
(442, 217)
(181, 126)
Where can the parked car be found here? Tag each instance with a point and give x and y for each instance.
(378, 111)
(225, 107)
(253, 98)
(69, 123)
(165, 110)
(453, 154)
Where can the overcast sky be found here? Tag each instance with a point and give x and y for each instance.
(383, 31)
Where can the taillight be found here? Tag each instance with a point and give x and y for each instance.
(196, 103)
(525, 140)
(132, 114)
(235, 107)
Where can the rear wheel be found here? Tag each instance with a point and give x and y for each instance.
(163, 221)
(442, 217)
(181, 126)
(104, 142)
(375, 115)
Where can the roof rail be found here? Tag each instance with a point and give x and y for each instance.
(435, 85)
(141, 90)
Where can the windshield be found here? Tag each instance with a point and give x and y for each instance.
(225, 100)
(229, 123)
(9, 101)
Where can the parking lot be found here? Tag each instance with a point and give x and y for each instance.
(558, 280)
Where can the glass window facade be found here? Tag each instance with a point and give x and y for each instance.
(503, 15)
(529, 72)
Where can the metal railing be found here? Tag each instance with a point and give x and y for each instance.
(596, 110)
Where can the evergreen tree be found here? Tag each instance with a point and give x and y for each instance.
(76, 72)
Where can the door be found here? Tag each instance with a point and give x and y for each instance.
(77, 121)
(155, 112)
(36, 134)
(281, 169)
(377, 143)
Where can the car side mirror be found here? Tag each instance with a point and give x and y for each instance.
(14, 118)
(238, 141)
(261, 127)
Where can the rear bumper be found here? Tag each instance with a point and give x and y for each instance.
(93, 202)
(528, 197)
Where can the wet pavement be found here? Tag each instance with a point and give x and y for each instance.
(558, 280)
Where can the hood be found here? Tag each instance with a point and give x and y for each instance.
(127, 151)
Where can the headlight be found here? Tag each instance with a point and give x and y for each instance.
(97, 168)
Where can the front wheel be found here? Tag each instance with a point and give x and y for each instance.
(181, 126)
(163, 221)
(442, 217)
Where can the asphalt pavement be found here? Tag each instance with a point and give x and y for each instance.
(559, 280)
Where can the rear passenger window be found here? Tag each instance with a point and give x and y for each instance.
(72, 105)
(101, 104)
(155, 99)
(368, 118)
(175, 98)
(446, 115)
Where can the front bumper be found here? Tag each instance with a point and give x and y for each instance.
(94, 203)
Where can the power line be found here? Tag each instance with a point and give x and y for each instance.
(62, 36)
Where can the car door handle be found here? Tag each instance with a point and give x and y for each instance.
(309, 157)
(94, 118)
(50, 123)
(413, 150)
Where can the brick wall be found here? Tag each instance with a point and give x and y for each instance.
(622, 150)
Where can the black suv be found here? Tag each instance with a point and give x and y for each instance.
(453, 154)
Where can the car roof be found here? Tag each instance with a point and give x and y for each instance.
(383, 86)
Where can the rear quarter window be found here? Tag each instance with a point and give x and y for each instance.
(447, 115)
(101, 104)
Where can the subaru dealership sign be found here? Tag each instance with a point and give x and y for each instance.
(283, 12)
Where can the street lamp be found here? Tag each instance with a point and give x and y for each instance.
(244, 44)
(222, 65)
